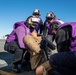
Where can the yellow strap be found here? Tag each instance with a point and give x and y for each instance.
(5, 73)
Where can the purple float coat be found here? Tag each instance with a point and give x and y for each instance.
(20, 30)
(48, 25)
(72, 42)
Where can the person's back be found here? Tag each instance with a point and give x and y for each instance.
(63, 39)
(16, 35)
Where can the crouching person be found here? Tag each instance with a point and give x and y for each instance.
(14, 42)
(38, 59)
(64, 61)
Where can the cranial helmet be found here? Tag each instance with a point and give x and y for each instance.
(50, 15)
(33, 22)
(36, 12)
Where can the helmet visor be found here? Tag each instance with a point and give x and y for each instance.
(36, 14)
(34, 25)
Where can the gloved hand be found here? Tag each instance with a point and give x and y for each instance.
(43, 44)
(46, 42)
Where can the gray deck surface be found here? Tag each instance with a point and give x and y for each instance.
(7, 59)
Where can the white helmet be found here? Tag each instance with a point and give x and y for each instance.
(50, 15)
(36, 12)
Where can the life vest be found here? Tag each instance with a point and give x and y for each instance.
(12, 35)
(73, 38)
(48, 25)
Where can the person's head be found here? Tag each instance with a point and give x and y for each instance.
(31, 24)
(34, 25)
(54, 26)
(50, 16)
(36, 13)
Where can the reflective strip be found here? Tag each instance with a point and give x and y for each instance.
(3, 63)
(60, 21)
(35, 19)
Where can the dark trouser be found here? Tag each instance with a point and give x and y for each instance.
(64, 63)
(49, 52)
(18, 52)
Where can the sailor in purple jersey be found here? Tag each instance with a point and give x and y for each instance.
(50, 17)
(14, 42)
(36, 17)
(47, 31)
(64, 61)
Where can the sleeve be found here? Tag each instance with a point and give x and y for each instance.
(60, 36)
(41, 26)
(61, 41)
(44, 29)
(20, 32)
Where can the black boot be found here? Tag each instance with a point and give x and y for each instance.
(15, 68)
(26, 66)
